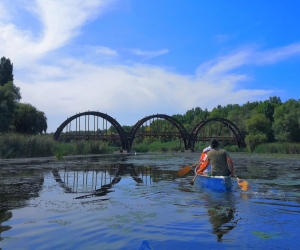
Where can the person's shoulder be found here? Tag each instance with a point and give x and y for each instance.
(222, 150)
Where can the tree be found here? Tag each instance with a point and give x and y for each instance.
(267, 107)
(258, 123)
(29, 120)
(6, 71)
(252, 140)
(286, 124)
(9, 98)
(258, 127)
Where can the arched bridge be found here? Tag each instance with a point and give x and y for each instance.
(94, 125)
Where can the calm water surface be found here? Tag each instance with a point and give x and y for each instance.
(52, 204)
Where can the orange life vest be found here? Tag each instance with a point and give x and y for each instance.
(202, 163)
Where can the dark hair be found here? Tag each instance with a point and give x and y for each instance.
(214, 143)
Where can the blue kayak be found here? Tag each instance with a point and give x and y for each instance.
(145, 246)
(216, 183)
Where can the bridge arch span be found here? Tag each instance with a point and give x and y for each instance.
(239, 137)
(114, 123)
(184, 135)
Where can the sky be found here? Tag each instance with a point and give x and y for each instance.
(132, 58)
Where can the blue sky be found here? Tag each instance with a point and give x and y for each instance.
(133, 58)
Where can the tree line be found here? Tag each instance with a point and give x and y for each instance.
(16, 116)
(260, 121)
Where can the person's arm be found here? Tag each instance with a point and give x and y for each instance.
(203, 166)
(230, 163)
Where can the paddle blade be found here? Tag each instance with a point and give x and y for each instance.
(184, 171)
(244, 185)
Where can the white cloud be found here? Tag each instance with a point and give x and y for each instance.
(61, 21)
(105, 51)
(148, 54)
(278, 54)
(4, 15)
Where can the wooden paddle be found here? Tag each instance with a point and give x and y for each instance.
(193, 181)
(244, 185)
(186, 170)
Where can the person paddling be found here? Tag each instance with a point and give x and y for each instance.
(203, 158)
(221, 162)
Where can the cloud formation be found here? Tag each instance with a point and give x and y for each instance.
(60, 22)
(70, 85)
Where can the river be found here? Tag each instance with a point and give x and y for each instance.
(47, 203)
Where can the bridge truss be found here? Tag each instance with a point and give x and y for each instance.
(94, 125)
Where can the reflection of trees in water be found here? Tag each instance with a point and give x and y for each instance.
(4, 216)
(16, 188)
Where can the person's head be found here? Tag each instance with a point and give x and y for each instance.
(214, 143)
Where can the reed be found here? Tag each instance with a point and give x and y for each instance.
(278, 148)
(14, 145)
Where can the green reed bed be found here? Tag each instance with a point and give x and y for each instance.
(81, 148)
(278, 148)
(23, 146)
(13, 145)
(157, 146)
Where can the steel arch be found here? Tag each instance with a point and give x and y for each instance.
(114, 123)
(239, 137)
(183, 132)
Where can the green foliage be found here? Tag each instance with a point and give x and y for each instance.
(258, 127)
(9, 97)
(258, 124)
(21, 146)
(14, 145)
(278, 148)
(29, 120)
(6, 71)
(127, 128)
(153, 145)
(253, 140)
(15, 116)
(220, 111)
(267, 107)
(286, 124)
(81, 148)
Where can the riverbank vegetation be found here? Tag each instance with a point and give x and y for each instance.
(16, 116)
(14, 145)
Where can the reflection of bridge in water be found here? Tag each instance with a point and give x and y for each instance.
(99, 181)
(94, 125)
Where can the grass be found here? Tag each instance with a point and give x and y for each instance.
(14, 145)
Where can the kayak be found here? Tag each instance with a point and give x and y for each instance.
(145, 246)
(216, 183)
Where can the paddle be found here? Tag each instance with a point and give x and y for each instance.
(244, 185)
(186, 170)
(193, 181)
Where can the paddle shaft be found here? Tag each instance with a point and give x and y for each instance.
(193, 181)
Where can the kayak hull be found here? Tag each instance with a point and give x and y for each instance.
(216, 183)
